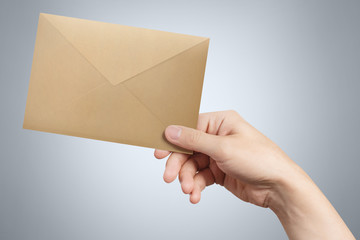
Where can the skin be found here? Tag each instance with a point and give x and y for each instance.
(230, 152)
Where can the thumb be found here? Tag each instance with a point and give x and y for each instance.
(192, 139)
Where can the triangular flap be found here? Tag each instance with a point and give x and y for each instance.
(93, 116)
(59, 74)
(121, 52)
(172, 90)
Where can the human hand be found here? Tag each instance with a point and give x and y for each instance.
(230, 152)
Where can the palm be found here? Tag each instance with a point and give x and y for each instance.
(253, 193)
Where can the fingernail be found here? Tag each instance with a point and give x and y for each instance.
(173, 132)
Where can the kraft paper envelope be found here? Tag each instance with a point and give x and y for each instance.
(112, 82)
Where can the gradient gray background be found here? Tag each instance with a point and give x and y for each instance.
(291, 68)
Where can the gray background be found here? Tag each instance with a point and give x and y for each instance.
(291, 68)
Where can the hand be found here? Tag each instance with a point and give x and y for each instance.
(230, 152)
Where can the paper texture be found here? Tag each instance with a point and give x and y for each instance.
(114, 83)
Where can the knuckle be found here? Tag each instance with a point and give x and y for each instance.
(234, 114)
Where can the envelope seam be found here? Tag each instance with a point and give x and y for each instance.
(141, 103)
(72, 45)
(164, 61)
(157, 65)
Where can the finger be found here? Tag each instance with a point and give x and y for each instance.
(201, 180)
(202, 160)
(186, 175)
(192, 139)
(173, 166)
(211, 122)
(203, 122)
(219, 175)
(160, 154)
(189, 169)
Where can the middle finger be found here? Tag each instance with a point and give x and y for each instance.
(189, 169)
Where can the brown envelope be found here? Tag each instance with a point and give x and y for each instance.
(114, 83)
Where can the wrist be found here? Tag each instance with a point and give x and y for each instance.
(293, 200)
(289, 189)
(303, 209)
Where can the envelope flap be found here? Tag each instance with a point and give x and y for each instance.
(172, 90)
(120, 52)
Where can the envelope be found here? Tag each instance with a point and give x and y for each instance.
(112, 82)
